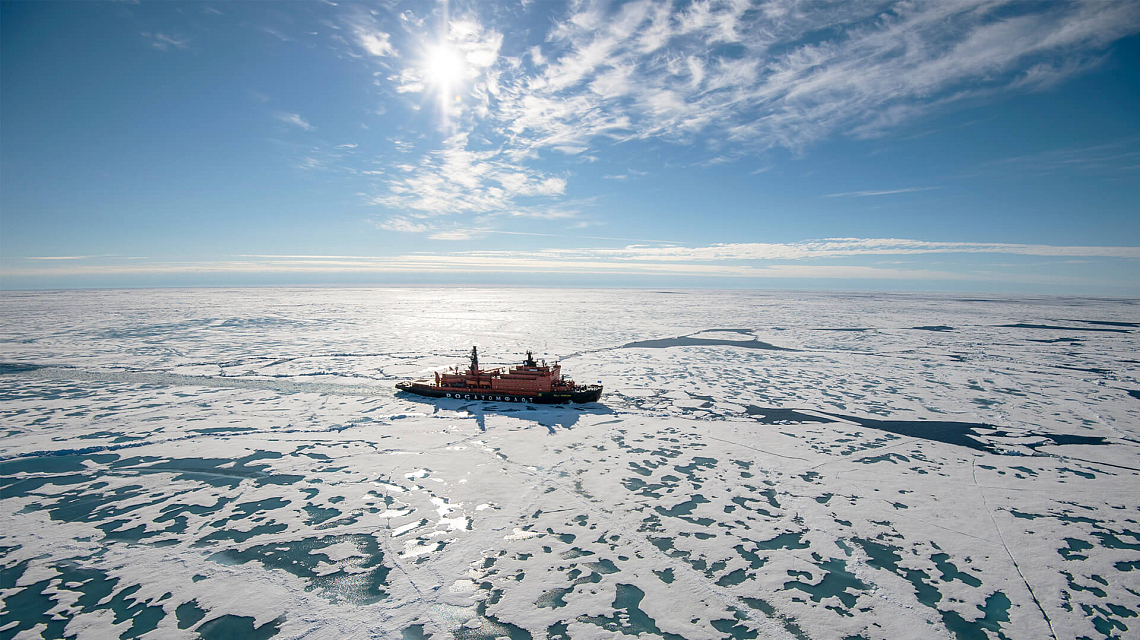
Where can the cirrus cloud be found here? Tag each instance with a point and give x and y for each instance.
(727, 77)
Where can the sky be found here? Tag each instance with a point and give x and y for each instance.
(947, 146)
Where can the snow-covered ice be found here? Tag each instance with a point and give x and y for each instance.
(205, 463)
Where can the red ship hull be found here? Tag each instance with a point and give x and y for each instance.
(587, 393)
(529, 382)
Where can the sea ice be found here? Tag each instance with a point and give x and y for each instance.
(203, 463)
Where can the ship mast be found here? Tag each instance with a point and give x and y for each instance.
(474, 361)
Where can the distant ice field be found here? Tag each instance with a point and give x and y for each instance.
(237, 463)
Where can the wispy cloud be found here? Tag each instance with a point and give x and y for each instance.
(402, 225)
(375, 43)
(101, 256)
(799, 260)
(1110, 158)
(459, 234)
(275, 33)
(455, 263)
(367, 34)
(164, 42)
(864, 194)
(293, 119)
(722, 76)
(835, 248)
(461, 179)
(70, 257)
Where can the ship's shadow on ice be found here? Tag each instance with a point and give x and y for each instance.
(551, 416)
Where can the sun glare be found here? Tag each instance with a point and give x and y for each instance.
(444, 67)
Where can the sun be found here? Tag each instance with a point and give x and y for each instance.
(444, 67)
(445, 71)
